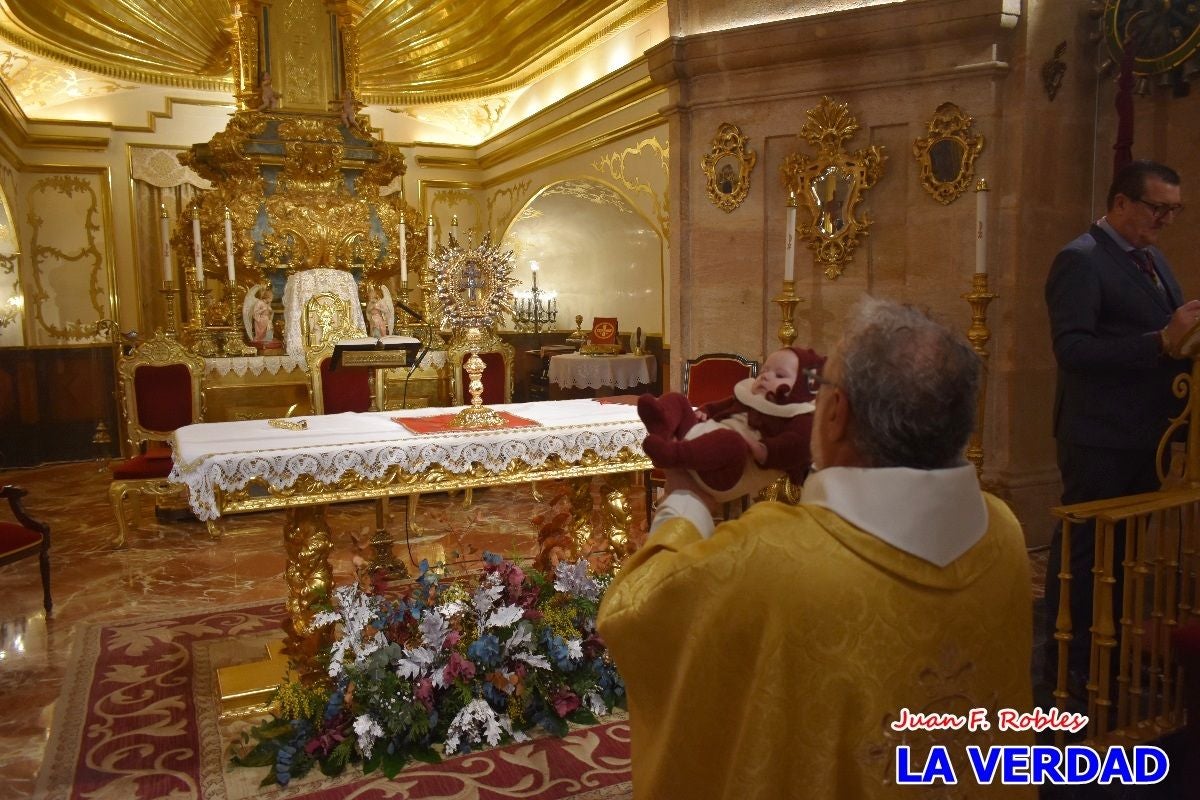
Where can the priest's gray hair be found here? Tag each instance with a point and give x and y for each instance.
(911, 384)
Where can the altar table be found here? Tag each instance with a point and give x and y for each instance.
(250, 466)
(575, 370)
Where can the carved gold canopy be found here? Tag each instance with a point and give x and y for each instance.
(830, 185)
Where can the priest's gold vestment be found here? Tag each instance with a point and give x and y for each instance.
(768, 660)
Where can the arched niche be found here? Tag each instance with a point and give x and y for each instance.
(602, 256)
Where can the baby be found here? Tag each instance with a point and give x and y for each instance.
(741, 444)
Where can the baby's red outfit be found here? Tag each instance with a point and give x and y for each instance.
(719, 454)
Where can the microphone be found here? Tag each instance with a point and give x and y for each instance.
(411, 312)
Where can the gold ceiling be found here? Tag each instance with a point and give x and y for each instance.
(411, 51)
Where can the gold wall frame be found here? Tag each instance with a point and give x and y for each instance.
(830, 185)
(727, 167)
(947, 154)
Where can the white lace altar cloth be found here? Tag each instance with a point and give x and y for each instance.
(302, 285)
(253, 365)
(593, 372)
(228, 455)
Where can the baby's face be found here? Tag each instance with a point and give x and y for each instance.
(781, 368)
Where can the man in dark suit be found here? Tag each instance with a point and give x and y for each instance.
(1116, 310)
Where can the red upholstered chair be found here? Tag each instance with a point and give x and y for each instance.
(27, 539)
(706, 378)
(498, 357)
(160, 386)
(334, 391)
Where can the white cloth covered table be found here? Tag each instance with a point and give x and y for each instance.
(253, 365)
(595, 372)
(227, 456)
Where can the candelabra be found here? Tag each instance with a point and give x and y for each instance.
(535, 309)
(978, 335)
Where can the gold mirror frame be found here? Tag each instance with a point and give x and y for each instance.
(728, 185)
(948, 126)
(831, 185)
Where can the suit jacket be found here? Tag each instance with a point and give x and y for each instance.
(1114, 384)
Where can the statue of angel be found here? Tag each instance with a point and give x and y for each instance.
(257, 313)
(381, 313)
(270, 97)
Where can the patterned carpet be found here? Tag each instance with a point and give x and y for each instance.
(138, 718)
(171, 566)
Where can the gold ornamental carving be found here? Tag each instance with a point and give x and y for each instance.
(947, 154)
(86, 262)
(830, 185)
(727, 167)
(622, 167)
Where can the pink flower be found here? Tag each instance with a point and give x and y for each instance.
(424, 693)
(564, 701)
(459, 667)
(451, 640)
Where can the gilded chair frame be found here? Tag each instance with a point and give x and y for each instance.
(160, 350)
(458, 351)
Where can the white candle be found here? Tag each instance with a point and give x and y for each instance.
(403, 254)
(789, 250)
(533, 268)
(229, 244)
(431, 235)
(982, 227)
(165, 229)
(196, 247)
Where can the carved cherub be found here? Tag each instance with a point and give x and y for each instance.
(270, 97)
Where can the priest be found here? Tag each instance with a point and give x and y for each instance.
(796, 651)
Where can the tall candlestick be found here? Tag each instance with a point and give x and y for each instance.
(981, 208)
(229, 244)
(789, 250)
(431, 235)
(403, 253)
(165, 238)
(533, 267)
(196, 247)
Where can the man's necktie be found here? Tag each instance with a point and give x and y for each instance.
(1145, 263)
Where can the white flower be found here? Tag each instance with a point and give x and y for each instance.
(574, 580)
(504, 616)
(434, 629)
(474, 724)
(416, 663)
(485, 597)
(367, 730)
(574, 649)
(521, 637)
(533, 660)
(595, 703)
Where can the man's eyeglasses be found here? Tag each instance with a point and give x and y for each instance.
(814, 380)
(1161, 210)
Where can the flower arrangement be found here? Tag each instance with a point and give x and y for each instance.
(443, 667)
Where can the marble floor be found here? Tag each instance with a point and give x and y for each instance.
(166, 564)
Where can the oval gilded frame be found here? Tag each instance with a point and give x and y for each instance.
(727, 167)
(947, 154)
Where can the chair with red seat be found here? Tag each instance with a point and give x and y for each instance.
(160, 386)
(498, 357)
(27, 539)
(705, 378)
(336, 391)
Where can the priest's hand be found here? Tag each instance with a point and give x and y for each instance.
(681, 480)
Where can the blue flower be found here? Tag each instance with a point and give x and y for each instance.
(493, 559)
(556, 648)
(485, 651)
